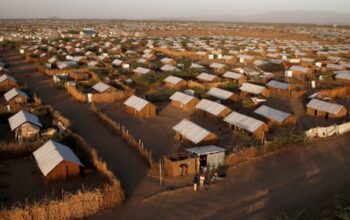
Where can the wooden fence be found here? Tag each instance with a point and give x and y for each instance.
(128, 137)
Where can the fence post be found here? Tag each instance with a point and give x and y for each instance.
(160, 172)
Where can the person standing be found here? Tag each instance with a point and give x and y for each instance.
(195, 183)
(201, 181)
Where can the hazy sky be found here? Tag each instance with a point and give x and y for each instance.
(134, 9)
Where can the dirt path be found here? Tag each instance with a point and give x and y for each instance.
(127, 165)
(301, 179)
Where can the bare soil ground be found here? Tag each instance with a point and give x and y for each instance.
(301, 179)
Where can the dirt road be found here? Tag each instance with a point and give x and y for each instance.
(301, 179)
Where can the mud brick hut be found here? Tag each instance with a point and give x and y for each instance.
(213, 108)
(117, 62)
(278, 88)
(210, 156)
(16, 97)
(7, 82)
(239, 121)
(101, 87)
(175, 82)
(183, 101)
(325, 109)
(343, 76)
(299, 72)
(142, 71)
(207, 78)
(180, 164)
(140, 107)
(238, 78)
(249, 88)
(57, 161)
(25, 125)
(168, 61)
(169, 68)
(222, 94)
(276, 117)
(218, 67)
(189, 131)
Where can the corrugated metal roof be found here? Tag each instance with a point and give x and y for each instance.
(52, 154)
(6, 77)
(101, 87)
(166, 60)
(277, 85)
(220, 93)
(299, 69)
(173, 80)
(13, 93)
(22, 117)
(142, 70)
(217, 65)
(205, 150)
(136, 102)
(324, 106)
(233, 75)
(252, 88)
(211, 107)
(191, 131)
(181, 97)
(206, 77)
(342, 75)
(242, 121)
(117, 62)
(196, 66)
(272, 114)
(168, 67)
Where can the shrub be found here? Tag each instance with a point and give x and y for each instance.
(247, 103)
(288, 137)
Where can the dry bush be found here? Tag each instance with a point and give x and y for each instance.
(16, 149)
(108, 97)
(242, 156)
(76, 94)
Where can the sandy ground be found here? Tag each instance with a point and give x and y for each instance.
(292, 181)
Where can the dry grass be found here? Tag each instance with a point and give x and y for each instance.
(16, 149)
(76, 94)
(109, 97)
(242, 156)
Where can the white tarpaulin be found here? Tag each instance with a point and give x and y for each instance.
(328, 131)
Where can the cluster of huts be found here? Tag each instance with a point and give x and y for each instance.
(55, 161)
(229, 69)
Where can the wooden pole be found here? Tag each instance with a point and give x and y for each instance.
(160, 172)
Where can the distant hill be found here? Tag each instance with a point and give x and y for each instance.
(300, 17)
